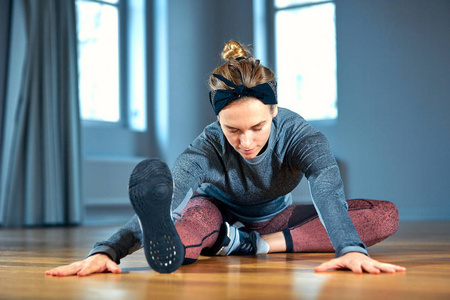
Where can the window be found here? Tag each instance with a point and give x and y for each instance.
(305, 57)
(111, 61)
(98, 60)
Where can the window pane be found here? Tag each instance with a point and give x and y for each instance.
(306, 61)
(286, 3)
(98, 61)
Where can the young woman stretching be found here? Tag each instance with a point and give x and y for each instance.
(229, 191)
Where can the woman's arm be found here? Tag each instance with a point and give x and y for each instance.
(125, 241)
(320, 167)
(313, 156)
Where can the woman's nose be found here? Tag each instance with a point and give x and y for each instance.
(246, 140)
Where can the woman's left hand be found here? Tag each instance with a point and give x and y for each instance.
(358, 263)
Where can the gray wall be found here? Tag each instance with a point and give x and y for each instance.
(392, 135)
(198, 30)
(393, 130)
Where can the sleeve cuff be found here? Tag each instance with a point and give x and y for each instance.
(105, 250)
(348, 249)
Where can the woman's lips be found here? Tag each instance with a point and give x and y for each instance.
(249, 151)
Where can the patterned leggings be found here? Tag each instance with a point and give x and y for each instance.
(203, 216)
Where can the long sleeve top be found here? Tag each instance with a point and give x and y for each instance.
(254, 190)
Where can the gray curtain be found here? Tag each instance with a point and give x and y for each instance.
(5, 16)
(40, 175)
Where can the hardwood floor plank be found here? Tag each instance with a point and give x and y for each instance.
(422, 247)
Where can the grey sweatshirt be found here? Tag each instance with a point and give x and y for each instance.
(254, 190)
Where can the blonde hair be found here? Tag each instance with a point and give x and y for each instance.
(240, 67)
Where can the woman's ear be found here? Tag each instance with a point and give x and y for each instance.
(274, 110)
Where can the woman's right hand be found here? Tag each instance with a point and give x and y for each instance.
(97, 263)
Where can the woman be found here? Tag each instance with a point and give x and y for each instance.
(230, 190)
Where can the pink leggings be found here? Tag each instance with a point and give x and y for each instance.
(203, 216)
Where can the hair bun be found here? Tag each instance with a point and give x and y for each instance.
(233, 50)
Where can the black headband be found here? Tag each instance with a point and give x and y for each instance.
(265, 92)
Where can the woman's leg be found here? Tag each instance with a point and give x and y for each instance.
(303, 232)
(199, 226)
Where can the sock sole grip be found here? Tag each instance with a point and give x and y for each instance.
(150, 191)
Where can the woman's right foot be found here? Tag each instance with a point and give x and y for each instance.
(150, 191)
(233, 241)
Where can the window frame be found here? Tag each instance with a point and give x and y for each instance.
(121, 138)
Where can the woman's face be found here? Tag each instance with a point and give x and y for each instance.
(246, 124)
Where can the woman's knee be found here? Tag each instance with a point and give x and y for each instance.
(381, 207)
(202, 208)
(202, 203)
(389, 218)
(379, 216)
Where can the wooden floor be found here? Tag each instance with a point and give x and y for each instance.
(422, 247)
